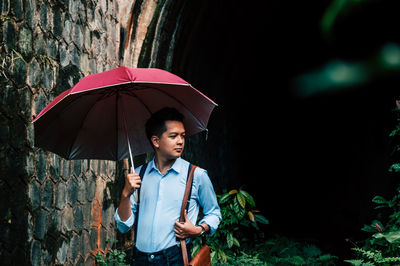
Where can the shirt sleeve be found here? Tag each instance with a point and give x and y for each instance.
(208, 201)
(125, 226)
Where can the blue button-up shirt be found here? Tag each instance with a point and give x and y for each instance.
(160, 204)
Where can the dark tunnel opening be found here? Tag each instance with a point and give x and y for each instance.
(313, 164)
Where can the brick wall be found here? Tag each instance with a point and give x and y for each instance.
(52, 211)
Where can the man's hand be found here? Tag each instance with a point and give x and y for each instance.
(132, 182)
(186, 229)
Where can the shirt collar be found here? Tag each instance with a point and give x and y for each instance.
(176, 167)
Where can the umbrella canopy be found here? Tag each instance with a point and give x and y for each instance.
(104, 112)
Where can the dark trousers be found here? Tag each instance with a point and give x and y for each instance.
(171, 256)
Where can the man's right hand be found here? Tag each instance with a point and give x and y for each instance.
(132, 182)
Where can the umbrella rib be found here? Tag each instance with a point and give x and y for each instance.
(83, 122)
(182, 105)
(140, 100)
(175, 99)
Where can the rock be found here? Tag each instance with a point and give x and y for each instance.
(17, 7)
(40, 227)
(19, 72)
(86, 211)
(85, 243)
(75, 57)
(91, 188)
(36, 253)
(72, 192)
(67, 29)
(48, 78)
(34, 194)
(93, 238)
(39, 103)
(30, 13)
(40, 44)
(29, 166)
(74, 247)
(34, 73)
(67, 219)
(78, 219)
(77, 168)
(66, 170)
(81, 191)
(5, 7)
(25, 41)
(47, 195)
(55, 224)
(41, 167)
(58, 23)
(52, 49)
(43, 17)
(78, 36)
(62, 253)
(9, 35)
(60, 196)
(65, 56)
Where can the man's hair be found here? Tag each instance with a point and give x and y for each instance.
(155, 126)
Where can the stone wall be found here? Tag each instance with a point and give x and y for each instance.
(52, 211)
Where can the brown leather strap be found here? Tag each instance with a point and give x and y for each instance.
(182, 217)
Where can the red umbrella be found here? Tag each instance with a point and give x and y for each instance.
(104, 113)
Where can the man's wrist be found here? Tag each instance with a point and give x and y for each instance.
(202, 230)
(126, 193)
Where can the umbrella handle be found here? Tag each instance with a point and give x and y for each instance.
(126, 166)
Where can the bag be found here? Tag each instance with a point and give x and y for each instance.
(203, 257)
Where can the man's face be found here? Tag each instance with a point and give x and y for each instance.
(171, 143)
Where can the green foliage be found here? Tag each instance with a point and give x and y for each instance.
(113, 257)
(239, 221)
(282, 251)
(375, 257)
(279, 251)
(239, 240)
(383, 245)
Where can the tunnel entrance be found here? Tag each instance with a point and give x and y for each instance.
(312, 163)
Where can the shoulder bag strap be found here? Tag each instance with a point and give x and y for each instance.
(141, 174)
(185, 204)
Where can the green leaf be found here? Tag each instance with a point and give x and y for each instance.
(241, 199)
(248, 197)
(229, 240)
(236, 242)
(394, 168)
(214, 257)
(391, 237)
(261, 219)
(355, 262)
(239, 211)
(383, 203)
(224, 198)
(222, 255)
(236, 206)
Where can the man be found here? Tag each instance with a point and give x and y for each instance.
(161, 194)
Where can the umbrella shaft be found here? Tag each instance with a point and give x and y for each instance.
(127, 138)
